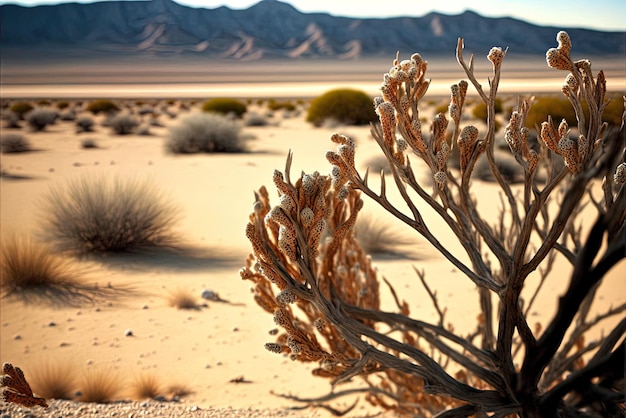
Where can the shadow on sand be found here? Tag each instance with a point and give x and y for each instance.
(69, 294)
(173, 258)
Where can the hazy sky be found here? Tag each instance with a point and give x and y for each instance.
(597, 14)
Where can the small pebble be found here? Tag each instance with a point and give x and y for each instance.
(128, 333)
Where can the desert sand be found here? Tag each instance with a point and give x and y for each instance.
(205, 350)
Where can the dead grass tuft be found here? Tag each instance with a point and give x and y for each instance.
(99, 385)
(182, 298)
(27, 264)
(146, 386)
(54, 379)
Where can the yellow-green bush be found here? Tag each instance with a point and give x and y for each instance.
(480, 110)
(347, 106)
(276, 105)
(102, 105)
(21, 108)
(560, 108)
(225, 106)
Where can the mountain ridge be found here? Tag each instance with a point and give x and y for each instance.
(268, 29)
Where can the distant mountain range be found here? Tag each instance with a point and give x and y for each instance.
(269, 29)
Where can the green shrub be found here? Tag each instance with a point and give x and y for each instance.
(102, 105)
(39, 118)
(286, 105)
(205, 133)
(346, 106)
(14, 143)
(480, 110)
(21, 108)
(560, 108)
(225, 106)
(104, 214)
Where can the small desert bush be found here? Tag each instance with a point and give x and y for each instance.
(346, 106)
(88, 143)
(21, 108)
(182, 298)
(480, 110)
(255, 119)
(14, 143)
(225, 106)
(284, 105)
(27, 264)
(99, 385)
(205, 133)
(379, 237)
(103, 214)
(123, 123)
(54, 379)
(84, 124)
(146, 386)
(40, 117)
(62, 105)
(11, 120)
(102, 106)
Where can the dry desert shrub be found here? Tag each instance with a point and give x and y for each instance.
(311, 274)
(26, 264)
(211, 132)
(96, 214)
(123, 123)
(38, 118)
(11, 143)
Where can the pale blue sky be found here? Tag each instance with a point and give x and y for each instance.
(596, 14)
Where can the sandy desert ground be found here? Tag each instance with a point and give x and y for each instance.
(205, 350)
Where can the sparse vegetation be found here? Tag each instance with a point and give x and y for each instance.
(54, 379)
(84, 124)
(123, 123)
(26, 264)
(21, 108)
(311, 274)
(102, 106)
(41, 117)
(11, 143)
(205, 133)
(182, 298)
(88, 143)
(225, 106)
(108, 214)
(100, 385)
(146, 386)
(346, 106)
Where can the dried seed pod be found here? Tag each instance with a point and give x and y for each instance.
(273, 347)
(440, 178)
(281, 318)
(466, 142)
(565, 44)
(557, 60)
(620, 174)
(549, 136)
(563, 128)
(496, 55)
(286, 297)
(306, 217)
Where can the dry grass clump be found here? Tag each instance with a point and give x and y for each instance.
(101, 214)
(99, 385)
(146, 385)
(54, 379)
(26, 264)
(376, 236)
(182, 298)
(40, 117)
